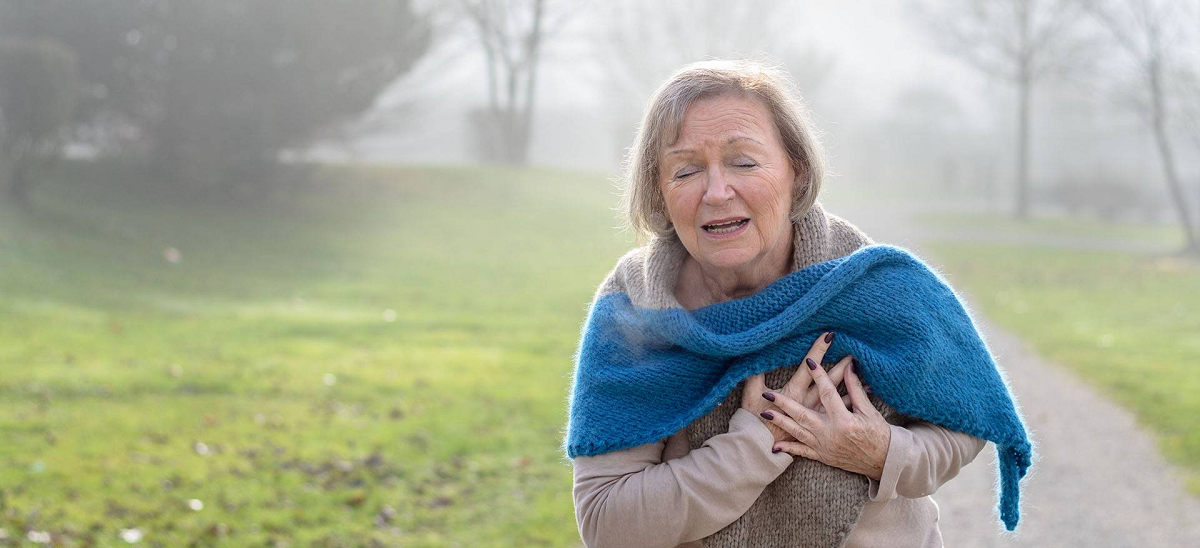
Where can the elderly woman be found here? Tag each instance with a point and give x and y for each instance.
(723, 180)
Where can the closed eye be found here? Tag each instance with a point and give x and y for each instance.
(685, 173)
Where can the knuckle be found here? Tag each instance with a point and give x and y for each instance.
(790, 428)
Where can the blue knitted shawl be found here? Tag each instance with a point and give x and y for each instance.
(642, 374)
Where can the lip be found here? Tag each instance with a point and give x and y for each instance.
(725, 220)
(733, 234)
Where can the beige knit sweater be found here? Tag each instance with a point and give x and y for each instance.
(663, 495)
(716, 479)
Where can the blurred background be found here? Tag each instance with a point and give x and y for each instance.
(296, 273)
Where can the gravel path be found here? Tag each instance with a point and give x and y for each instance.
(1098, 480)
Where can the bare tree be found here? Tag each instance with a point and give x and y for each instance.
(642, 43)
(512, 34)
(1154, 34)
(1189, 88)
(1024, 42)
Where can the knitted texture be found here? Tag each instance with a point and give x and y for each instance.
(647, 368)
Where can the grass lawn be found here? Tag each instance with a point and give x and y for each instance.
(1129, 324)
(381, 360)
(1168, 234)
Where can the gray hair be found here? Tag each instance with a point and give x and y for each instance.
(642, 200)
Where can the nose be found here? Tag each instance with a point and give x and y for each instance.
(718, 191)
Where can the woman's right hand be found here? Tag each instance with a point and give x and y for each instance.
(799, 388)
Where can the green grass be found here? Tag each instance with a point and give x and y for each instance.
(382, 358)
(1129, 324)
(1166, 234)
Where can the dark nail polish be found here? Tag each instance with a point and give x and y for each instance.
(767, 415)
(829, 337)
(811, 364)
(769, 396)
(776, 449)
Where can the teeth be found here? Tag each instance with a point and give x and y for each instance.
(725, 228)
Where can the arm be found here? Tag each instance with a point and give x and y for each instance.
(921, 458)
(631, 498)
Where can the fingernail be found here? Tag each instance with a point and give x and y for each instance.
(769, 396)
(811, 364)
(829, 337)
(776, 449)
(768, 415)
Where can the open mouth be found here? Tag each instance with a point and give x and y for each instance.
(725, 227)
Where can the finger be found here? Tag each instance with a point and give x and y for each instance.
(838, 371)
(820, 408)
(795, 448)
(858, 396)
(799, 382)
(836, 375)
(785, 423)
(803, 378)
(796, 412)
(825, 389)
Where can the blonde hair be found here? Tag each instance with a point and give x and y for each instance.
(642, 199)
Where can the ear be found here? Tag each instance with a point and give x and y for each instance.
(800, 187)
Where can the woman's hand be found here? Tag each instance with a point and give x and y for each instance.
(798, 388)
(855, 441)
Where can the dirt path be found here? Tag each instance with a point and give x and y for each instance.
(1099, 479)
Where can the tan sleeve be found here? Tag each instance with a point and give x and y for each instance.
(920, 458)
(631, 498)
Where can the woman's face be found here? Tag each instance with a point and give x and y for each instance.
(727, 182)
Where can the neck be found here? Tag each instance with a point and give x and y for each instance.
(715, 284)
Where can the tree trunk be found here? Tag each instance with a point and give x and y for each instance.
(533, 46)
(17, 182)
(512, 135)
(1167, 157)
(1024, 89)
(1022, 209)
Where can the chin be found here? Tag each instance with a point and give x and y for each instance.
(729, 258)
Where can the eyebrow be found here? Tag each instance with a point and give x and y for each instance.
(731, 140)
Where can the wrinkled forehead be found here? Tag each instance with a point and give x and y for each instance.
(672, 124)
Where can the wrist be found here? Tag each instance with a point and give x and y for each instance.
(881, 452)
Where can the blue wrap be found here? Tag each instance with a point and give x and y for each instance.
(643, 374)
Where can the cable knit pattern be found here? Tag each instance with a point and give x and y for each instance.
(646, 367)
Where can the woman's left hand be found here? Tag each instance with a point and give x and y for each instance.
(856, 440)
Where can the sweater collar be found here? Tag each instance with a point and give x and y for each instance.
(810, 245)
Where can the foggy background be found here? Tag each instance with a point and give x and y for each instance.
(903, 102)
(910, 95)
(309, 273)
